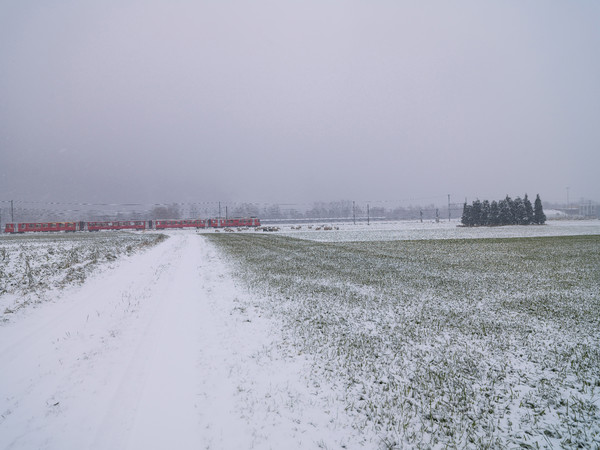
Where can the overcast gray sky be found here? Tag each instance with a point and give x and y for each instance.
(293, 101)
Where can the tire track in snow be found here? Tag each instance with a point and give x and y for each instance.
(154, 403)
(59, 361)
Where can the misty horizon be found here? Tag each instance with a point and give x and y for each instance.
(340, 210)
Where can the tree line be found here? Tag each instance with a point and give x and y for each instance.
(345, 209)
(504, 212)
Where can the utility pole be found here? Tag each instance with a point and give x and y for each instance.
(368, 215)
(225, 212)
(12, 212)
(219, 210)
(448, 207)
(353, 212)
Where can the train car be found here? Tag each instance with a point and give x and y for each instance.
(183, 223)
(216, 223)
(40, 227)
(246, 222)
(115, 225)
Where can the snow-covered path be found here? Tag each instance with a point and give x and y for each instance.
(158, 352)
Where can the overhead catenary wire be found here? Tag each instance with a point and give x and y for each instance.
(49, 211)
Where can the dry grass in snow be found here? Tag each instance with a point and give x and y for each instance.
(479, 343)
(33, 266)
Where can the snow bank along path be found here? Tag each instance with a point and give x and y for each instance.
(158, 352)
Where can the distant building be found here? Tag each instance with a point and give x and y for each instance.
(589, 210)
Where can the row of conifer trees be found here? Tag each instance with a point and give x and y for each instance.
(504, 212)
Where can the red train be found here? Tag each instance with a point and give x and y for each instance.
(131, 225)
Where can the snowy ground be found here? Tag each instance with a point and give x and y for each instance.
(260, 341)
(486, 343)
(415, 230)
(34, 266)
(158, 351)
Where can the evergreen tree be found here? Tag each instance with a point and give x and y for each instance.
(513, 211)
(476, 212)
(506, 215)
(520, 214)
(466, 218)
(538, 212)
(494, 216)
(528, 210)
(485, 212)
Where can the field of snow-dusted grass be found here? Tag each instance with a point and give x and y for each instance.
(32, 266)
(434, 343)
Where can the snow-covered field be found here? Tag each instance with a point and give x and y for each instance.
(461, 343)
(415, 230)
(256, 340)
